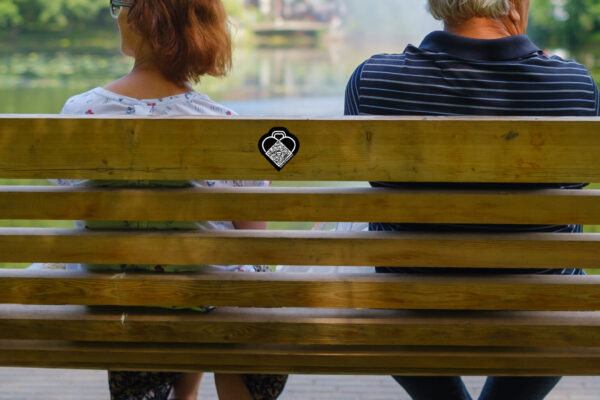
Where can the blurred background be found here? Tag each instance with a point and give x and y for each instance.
(292, 57)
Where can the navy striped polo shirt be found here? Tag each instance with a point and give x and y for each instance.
(450, 75)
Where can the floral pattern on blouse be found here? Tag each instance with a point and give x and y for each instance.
(102, 101)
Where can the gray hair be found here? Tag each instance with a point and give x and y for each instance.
(454, 11)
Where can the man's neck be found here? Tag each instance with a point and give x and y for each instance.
(484, 28)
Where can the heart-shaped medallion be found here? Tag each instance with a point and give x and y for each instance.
(279, 146)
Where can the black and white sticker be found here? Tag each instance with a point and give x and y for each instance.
(279, 146)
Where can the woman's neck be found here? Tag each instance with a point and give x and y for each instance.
(146, 81)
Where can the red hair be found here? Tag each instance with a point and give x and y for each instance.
(188, 38)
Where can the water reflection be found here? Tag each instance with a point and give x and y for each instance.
(280, 79)
(264, 81)
(290, 72)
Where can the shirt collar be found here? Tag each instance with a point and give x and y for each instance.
(508, 48)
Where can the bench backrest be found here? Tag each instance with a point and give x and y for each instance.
(524, 150)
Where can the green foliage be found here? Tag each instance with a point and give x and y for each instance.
(60, 12)
(573, 24)
(44, 15)
(235, 8)
(47, 15)
(9, 14)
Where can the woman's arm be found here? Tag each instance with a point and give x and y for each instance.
(250, 225)
(246, 224)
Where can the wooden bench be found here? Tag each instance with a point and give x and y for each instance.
(299, 323)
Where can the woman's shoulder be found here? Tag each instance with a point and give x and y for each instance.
(103, 101)
(194, 103)
(82, 103)
(99, 101)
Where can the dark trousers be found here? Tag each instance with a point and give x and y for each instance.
(496, 388)
(453, 388)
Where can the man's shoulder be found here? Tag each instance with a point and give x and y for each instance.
(412, 58)
(380, 61)
(393, 58)
(556, 62)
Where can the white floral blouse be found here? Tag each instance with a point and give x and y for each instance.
(102, 101)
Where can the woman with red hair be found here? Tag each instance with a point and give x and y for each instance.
(174, 43)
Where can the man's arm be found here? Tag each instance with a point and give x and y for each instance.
(597, 101)
(352, 103)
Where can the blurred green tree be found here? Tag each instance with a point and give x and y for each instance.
(48, 15)
(9, 14)
(60, 12)
(565, 23)
(44, 15)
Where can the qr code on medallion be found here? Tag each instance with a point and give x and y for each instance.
(279, 154)
(278, 146)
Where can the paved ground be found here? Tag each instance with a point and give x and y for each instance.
(40, 384)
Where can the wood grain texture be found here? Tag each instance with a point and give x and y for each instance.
(301, 326)
(567, 293)
(301, 204)
(519, 250)
(380, 360)
(302, 341)
(352, 149)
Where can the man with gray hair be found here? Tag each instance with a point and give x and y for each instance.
(456, 11)
(481, 64)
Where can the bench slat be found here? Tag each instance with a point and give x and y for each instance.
(315, 341)
(301, 204)
(351, 149)
(567, 293)
(382, 360)
(523, 250)
(301, 326)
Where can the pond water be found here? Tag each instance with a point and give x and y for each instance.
(275, 81)
(264, 81)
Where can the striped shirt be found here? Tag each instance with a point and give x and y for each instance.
(454, 75)
(450, 75)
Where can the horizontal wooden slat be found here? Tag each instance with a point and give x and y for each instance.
(382, 360)
(567, 293)
(352, 149)
(528, 250)
(302, 204)
(301, 326)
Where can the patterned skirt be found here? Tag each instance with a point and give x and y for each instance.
(158, 385)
